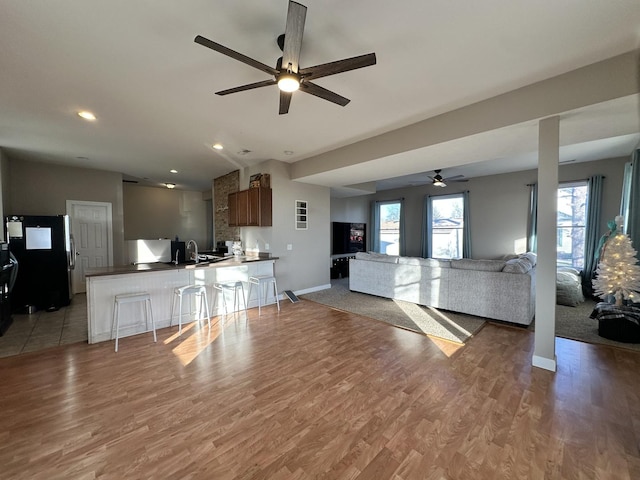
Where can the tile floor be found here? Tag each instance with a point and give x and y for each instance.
(44, 329)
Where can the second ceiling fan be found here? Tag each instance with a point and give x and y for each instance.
(439, 181)
(287, 73)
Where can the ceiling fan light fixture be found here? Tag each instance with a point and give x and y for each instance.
(288, 82)
(87, 115)
(439, 183)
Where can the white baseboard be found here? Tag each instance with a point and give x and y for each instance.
(543, 362)
(312, 289)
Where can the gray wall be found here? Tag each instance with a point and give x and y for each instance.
(307, 265)
(43, 189)
(33, 188)
(499, 206)
(151, 212)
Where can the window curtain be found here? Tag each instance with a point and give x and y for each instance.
(532, 223)
(375, 226)
(403, 243)
(426, 231)
(626, 193)
(632, 225)
(466, 226)
(591, 234)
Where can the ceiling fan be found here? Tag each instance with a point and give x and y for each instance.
(439, 181)
(287, 73)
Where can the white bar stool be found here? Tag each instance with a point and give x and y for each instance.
(265, 280)
(131, 298)
(237, 287)
(189, 290)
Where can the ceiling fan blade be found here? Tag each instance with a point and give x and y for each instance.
(321, 92)
(235, 55)
(285, 101)
(459, 180)
(250, 86)
(339, 66)
(293, 36)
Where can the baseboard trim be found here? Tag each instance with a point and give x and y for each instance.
(546, 363)
(312, 289)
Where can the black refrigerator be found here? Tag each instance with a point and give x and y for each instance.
(8, 272)
(43, 247)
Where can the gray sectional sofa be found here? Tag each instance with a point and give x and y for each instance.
(496, 289)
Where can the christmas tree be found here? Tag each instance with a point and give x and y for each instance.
(618, 273)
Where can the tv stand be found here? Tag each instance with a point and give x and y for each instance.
(340, 265)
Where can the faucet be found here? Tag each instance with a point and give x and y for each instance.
(195, 247)
(177, 255)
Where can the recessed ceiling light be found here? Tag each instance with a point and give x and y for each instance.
(217, 146)
(87, 115)
(82, 158)
(288, 152)
(173, 170)
(244, 151)
(170, 185)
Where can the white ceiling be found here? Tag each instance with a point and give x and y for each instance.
(135, 65)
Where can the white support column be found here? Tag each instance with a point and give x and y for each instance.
(544, 355)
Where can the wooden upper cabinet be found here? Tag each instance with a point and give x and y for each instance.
(233, 209)
(250, 207)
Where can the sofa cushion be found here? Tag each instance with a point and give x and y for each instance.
(377, 257)
(409, 261)
(424, 262)
(480, 265)
(517, 265)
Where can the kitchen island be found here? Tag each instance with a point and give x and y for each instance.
(160, 280)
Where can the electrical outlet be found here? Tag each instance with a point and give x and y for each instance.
(266, 246)
(289, 246)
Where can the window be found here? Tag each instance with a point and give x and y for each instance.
(572, 216)
(447, 226)
(388, 227)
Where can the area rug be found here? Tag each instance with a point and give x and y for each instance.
(455, 327)
(574, 323)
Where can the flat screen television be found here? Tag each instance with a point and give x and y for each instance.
(348, 237)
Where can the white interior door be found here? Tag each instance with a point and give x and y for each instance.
(91, 227)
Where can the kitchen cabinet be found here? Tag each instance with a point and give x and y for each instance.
(250, 208)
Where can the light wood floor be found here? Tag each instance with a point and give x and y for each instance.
(318, 393)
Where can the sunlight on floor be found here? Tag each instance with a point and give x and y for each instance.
(446, 346)
(417, 313)
(195, 337)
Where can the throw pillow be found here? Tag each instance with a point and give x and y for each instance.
(568, 288)
(517, 265)
(532, 257)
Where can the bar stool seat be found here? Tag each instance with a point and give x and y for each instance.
(237, 287)
(180, 292)
(124, 298)
(266, 280)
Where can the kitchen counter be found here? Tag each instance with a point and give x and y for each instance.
(160, 280)
(156, 267)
